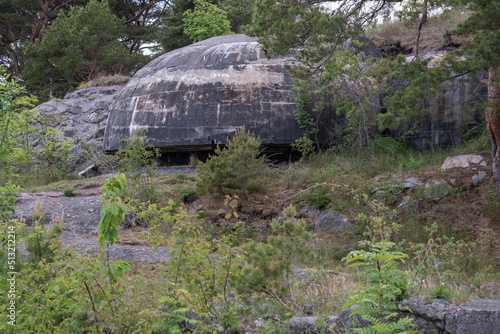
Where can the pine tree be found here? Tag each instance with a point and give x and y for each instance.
(76, 48)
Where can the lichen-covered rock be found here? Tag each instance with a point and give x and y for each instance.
(477, 316)
(300, 325)
(480, 178)
(329, 221)
(195, 97)
(463, 161)
(90, 171)
(81, 116)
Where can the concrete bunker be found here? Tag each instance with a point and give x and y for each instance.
(195, 97)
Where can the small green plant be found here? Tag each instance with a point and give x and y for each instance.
(186, 192)
(441, 292)
(202, 273)
(112, 215)
(268, 270)
(375, 297)
(69, 193)
(135, 159)
(304, 146)
(237, 168)
(318, 198)
(42, 243)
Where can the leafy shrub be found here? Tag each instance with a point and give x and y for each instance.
(69, 193)
(41, 243)
(135, 159)
(186, 192)
(318, 198)
(237, 168)
(268, 269)
(376, 300)
(441, 292)
(201, 273)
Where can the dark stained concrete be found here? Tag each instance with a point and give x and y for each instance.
(197, 96)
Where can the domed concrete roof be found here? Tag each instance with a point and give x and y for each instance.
(197, 96)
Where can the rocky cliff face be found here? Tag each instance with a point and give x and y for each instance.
(82, 116)
(457, 109)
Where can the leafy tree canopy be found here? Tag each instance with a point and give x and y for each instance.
(171, 34)
(22, 23)
(205, 21)
(77, 47)
(320, 30)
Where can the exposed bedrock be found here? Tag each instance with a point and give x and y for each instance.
(81, 116)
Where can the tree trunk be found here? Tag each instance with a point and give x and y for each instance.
(493, 123)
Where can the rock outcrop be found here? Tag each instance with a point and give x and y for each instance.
(439, 317)
(82, 116)
(329, 221)
(463, 161)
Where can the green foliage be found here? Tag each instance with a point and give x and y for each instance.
(304, 146)
(12, 102)
(70, 294)
(186, 192)
(484, 26)
(318, 198)
(442, 259)
(42, 243)
(268, 269)
(303, 103)
(50, 154)
(237, 168)
(410, 88)
(375, 301)
(171, 32)
(346, 83)
(113, 211)
(77, 47)
(201, 273)
(136, 159)
(239, 13)
(379, 221)
(441, 292)
(205, 21)
(69, 193)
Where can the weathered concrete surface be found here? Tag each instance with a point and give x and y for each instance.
(198, 95)
(477, 316)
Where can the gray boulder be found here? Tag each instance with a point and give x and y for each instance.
(463, 161)
(437, 190)
(299, 325)
(90, 171)
(478, 316)
(329, 221)
(480, 178)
